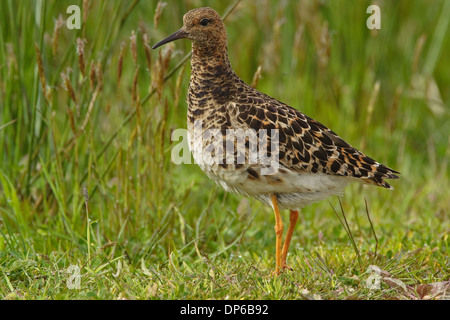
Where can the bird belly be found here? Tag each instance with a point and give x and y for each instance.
(294, 189)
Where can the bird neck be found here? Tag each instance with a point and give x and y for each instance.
(211, 64)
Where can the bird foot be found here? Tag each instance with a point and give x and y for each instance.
(285, 266)
(279, 271)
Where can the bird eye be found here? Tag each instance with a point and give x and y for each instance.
(205, 21)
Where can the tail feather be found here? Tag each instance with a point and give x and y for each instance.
(380, 173)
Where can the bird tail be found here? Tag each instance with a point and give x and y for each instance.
(381, 172)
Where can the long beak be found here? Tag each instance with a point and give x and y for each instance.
(174, 36)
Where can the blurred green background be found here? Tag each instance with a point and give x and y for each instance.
(86, 177)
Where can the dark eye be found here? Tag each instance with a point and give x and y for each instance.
(205, 21)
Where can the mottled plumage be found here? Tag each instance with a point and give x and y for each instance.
(314, 162)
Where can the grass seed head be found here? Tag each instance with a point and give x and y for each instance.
(159, 8)
(59, 23)
(80, 51)
(86, 7)
(133, 47)
(147, 50)
(45, 89)
(256, 77)
(67, 84)
(120, 64)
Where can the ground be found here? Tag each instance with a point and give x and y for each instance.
(93, 207)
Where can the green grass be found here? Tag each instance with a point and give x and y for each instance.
(150, 229)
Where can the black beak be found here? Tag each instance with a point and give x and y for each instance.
(174, 36)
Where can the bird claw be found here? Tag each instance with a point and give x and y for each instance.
(285, 266)
(279, 271)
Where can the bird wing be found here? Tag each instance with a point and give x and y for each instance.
(307, 145)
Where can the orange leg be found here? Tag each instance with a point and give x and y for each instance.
(292, 222)
(279, 235)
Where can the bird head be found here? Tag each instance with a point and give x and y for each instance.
(203, 26)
